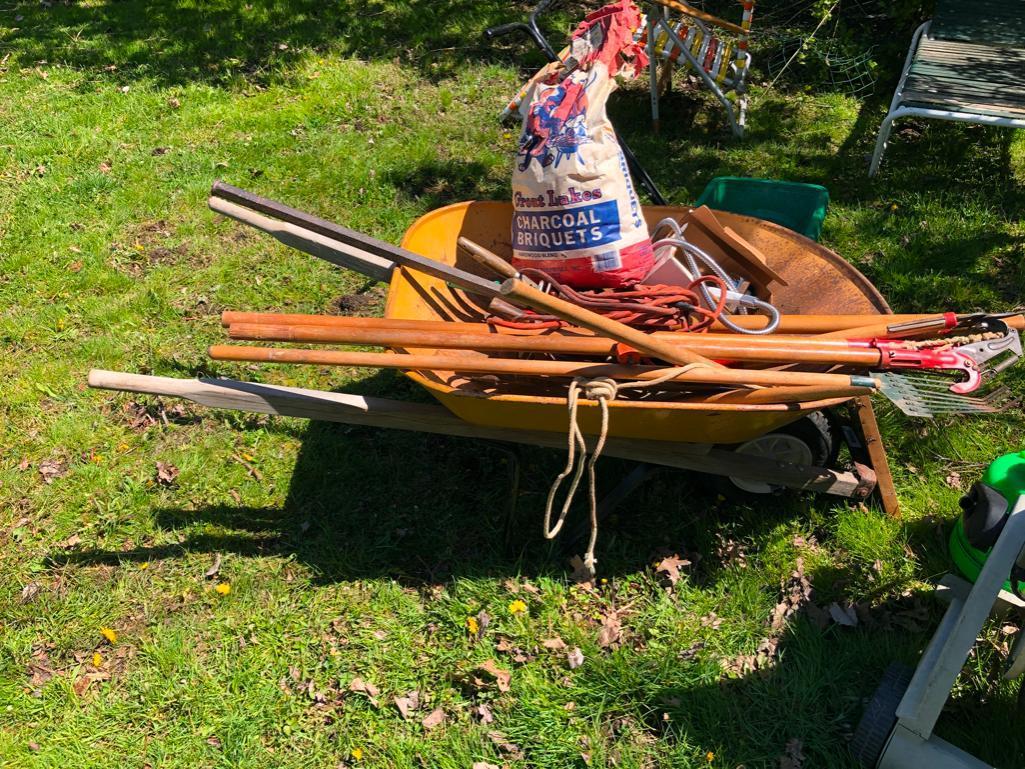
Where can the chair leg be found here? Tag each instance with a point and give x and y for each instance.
(741, 115)
(653, 72)
(881, 140)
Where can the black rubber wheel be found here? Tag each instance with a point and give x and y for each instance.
(880, 715)
(815, 431)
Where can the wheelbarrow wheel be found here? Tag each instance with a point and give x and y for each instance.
(880, 715)
(811, 440)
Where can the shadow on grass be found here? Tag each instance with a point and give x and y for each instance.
(228, 41)
(802, 706)
(369, 502)
(808, 699)
(438, 183)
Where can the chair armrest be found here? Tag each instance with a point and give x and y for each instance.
(708, 18)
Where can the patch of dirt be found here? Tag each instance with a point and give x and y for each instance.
(153, 244)
(142, 416)
(364, 304)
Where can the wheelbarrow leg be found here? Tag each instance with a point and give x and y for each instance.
(873, 441)
(512, 457)
(637, 477)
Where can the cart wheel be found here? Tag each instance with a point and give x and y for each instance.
(810, 440)
(880, 715)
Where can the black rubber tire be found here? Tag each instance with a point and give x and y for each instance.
(816, 431)
(880, 715)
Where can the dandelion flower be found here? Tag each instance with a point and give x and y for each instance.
(223, 588)
(357, 754)
(109, 633)
(97, 659)
(472, 625)
(517, 607)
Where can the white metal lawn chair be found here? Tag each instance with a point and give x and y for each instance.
(966, 64)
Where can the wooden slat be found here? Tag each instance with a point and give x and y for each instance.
(997, 21)
(877, 454)
(400, 415)
(917, 98)
(967, 77)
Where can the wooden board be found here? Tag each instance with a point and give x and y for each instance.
(400, 415)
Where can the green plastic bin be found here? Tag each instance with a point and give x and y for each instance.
(797, 206)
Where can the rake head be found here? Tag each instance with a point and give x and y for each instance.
(926, 395)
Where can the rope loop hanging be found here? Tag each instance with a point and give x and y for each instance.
(601, 390)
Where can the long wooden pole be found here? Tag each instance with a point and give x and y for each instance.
(731, 346)
(480, 364)
(789, 324)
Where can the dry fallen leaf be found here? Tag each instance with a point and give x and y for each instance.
(359, 686)
(434, 719)
(166, 473)
(484, 765)
(29, 592)
(669, 569)
(797, 594)
(510, 750)
(214, 567)
(611, 630)
(501, 677)
(105, 167)
(843, 615)
(575, 658)
(555, 644)
(39, 669)
(482, 713)
(50, 470)
(408, 704)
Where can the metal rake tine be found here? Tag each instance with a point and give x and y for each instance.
(927, 396)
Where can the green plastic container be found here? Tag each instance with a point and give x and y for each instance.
(1006, 474)
(797, 206)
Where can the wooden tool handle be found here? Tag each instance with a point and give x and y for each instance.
(529, 296)
(789, 324)
(492, 261)
(481, 364)
(738, 347)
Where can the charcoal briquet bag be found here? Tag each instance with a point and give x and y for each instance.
(577, 216)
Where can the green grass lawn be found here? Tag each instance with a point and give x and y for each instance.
(348, 553)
